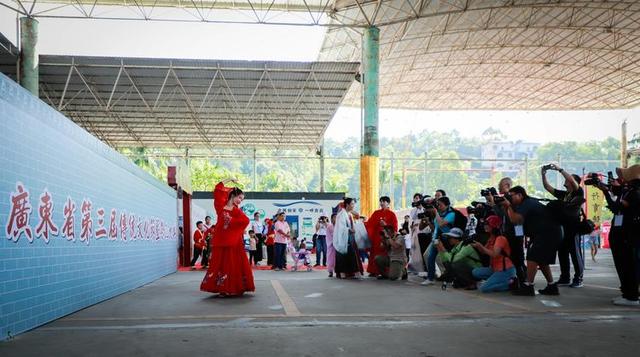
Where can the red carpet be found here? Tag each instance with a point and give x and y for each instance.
(259, 267)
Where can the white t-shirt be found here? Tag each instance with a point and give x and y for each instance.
(414, 213)
(407, 241)
(257, 227)
(322, 230)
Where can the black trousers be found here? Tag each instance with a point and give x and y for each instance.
(270, 252)
(570, 246)
(517, 257)
(624, 251)
(196, 255)
(259, 240)
(424, 240)
(206, 253)
(458, 272)
(252, 256)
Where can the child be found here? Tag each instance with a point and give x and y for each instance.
(253, 240)
(302, 249)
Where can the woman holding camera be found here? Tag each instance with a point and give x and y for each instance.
(499, 274)
(624, 237)
(571, 200)
(321, 241)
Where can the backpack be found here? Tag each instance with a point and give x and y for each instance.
(460, 220)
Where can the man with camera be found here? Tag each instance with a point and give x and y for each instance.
(568, 208)
(443, 219)
(392, 265)
(516, 242)
(380, 219)
(532, 218)
(624, 236)
(459, 260)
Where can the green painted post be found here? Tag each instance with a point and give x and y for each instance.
(369, 166)
(29, 75)
(370, 64)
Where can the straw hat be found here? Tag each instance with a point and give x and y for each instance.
(630, 173)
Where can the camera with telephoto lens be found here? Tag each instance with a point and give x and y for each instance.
(500, 199)
(479, 209)
(489, 191)
(427, 202)
(593, 180)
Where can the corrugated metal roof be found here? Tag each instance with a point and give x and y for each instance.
(490, 54)
(195, 103)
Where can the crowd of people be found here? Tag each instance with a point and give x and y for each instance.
(499, 245)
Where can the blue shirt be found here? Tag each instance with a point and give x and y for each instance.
(448, 216)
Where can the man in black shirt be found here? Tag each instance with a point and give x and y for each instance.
(569, 208)
(532, 218)
(624, 236)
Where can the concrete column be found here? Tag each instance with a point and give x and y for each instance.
(322, 167)
(255, 170)
(29, 55)
(369, 161)
(392, 186)
(624, 155)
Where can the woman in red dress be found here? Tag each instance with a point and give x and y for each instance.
(229, 272)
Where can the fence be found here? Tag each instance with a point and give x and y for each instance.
(400, 177)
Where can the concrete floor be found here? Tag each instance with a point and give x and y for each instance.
(307, 314)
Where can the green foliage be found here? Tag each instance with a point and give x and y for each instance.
(462, 179)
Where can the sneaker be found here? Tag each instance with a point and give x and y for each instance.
(551, 289)
(625, 302)
(576, 284)
(427, 282)
(563, 282)
(525, 290)
(422, 274)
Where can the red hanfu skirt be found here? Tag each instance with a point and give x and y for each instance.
(229, 272)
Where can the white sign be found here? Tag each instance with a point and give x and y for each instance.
(302, 215)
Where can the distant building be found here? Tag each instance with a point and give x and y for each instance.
(507, 150)
(633, 149)
(634, 143)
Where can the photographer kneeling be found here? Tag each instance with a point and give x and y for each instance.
(443, 219)
(501, 271)
(394, 262)
(459, 261)
(533, 219)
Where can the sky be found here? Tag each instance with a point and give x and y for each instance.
(531, 126)
(285, 43)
